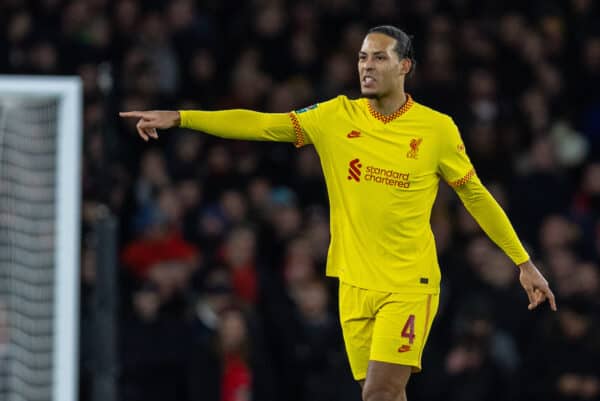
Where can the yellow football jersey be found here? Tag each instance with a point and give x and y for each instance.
(382, 175)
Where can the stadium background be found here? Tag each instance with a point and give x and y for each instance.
(221, 245)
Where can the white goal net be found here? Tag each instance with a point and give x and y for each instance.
(39, 237)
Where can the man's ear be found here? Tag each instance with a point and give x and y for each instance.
(405, 65)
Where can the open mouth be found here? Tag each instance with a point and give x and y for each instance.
(368, 80)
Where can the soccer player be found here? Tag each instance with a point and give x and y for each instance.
(382, 156)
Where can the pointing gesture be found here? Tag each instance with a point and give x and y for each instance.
(535, 286)
(150, 121)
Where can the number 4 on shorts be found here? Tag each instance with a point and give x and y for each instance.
(409, 329)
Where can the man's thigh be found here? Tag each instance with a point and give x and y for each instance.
(386, 378)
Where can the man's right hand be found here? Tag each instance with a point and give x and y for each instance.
(150, 121)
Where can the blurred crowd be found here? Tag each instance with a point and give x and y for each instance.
(222, 245)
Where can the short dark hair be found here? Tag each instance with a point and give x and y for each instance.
(404, 43)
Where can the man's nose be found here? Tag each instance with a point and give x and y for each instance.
(369, 64)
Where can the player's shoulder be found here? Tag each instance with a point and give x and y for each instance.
(431, 115)
(341, 102)
(324, 105)
(437, 122)
(351, 106)
(336, 105)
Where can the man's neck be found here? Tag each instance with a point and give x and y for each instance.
(388, 104)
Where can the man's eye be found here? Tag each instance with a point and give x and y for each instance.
(380, 58)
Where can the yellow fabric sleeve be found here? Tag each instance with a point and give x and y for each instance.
(455, 166)
(491, 218)
(242, 124)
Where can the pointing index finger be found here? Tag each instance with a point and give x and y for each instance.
(137, 114)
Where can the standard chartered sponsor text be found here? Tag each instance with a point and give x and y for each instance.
(387, 177)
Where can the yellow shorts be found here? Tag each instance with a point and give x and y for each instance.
(384, 326)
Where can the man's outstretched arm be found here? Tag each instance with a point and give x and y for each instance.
(232, 124)
(492, 219)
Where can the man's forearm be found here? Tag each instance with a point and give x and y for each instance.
(492, 219)
(240, 124)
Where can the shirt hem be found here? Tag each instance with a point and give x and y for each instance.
(405, 289)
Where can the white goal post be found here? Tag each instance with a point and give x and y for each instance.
(66, 94)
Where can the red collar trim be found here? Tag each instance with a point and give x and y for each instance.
(391, 117)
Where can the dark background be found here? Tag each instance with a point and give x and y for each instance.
(222, 245)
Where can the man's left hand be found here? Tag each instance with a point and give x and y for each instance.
(536, 286)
